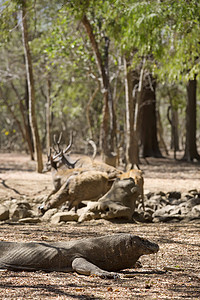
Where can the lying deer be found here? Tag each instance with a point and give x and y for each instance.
(62, 168)
(112, 172)
(74, 184)
(86, 185)
(83, 179)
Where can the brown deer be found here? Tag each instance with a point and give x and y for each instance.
(86, 185)
(75, 181)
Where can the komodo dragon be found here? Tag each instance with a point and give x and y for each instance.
(100, 256)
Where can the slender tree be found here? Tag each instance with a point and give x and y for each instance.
(27, 134)
(31, 89)
(190, 143)
(48, 113)
(132, 150)
(108, 127)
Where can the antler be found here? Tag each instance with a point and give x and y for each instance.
(92, 143)
(59, 153)
(57, 143)
(70, 144)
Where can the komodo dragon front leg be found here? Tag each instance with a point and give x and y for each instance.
(84, 267)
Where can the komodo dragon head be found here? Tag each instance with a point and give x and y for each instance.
(144, 246)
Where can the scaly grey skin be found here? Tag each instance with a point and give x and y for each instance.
(100, 256)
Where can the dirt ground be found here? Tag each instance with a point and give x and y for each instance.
(174, 273)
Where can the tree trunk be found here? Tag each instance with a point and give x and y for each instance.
(26, 96)
(92, 97)
(162, 143)
(175, 135)
(132, 151)
(108, 126)
(30, 80)
(147, 113)
(48, 115)
(26, 135)
(190, 143)
(173, 120)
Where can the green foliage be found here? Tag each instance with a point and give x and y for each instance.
(8, 21)
(165, 32)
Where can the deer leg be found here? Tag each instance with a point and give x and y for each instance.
(52, 193)
(60, 197)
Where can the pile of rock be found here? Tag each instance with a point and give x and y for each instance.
(159, 207)
(170, 207)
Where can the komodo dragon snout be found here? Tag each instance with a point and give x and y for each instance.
(145, 246)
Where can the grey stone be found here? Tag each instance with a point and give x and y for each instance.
(48, 214)
(168, 218)
(20, 210)
(64, 216)
(29, 220)
(193, 202)
(163, 211)
(196, 209)
(4, 213)
(174, 195)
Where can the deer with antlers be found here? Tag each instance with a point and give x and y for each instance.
(62, 158)
(72, 183)
(83, 179)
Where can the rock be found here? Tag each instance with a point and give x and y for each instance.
(89, 216)
(156, 202)
(20, 210)
(148, 194)
(4, 213)
(163, 211)
(174, 195)
(186, 196)
(115, 211)
(194, 193)
(168, 218)
(143, 216)
(193, 202)
(184, 210)
(64, 216)
(90, 212)
(176, 201)
(161, 194)
(155, 198)
(149, 211)
(196, 209)
(48, 214)
(29, 220)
